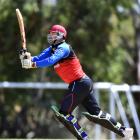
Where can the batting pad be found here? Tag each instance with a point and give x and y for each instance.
(103, 122)
(67, 124)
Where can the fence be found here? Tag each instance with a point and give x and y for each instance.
(114, 99)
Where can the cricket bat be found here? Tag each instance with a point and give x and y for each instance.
(22, 29)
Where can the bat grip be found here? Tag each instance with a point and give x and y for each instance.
(24, 50)
(21, 51)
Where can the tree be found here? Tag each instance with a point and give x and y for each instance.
(90, 28)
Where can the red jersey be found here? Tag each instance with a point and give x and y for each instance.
(69, 69)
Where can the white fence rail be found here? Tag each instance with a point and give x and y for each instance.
(33, 85)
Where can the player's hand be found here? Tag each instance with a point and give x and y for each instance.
(26, 59)
(27, 63)
(25, 55)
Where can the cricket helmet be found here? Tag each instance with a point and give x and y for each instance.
(57, 34)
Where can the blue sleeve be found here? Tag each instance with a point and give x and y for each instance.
(44, 54)
(61, 52)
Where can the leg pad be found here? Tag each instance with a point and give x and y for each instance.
(105, 122)
(71, 124)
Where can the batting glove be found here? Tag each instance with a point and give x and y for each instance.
(25, 55)
(27, 63)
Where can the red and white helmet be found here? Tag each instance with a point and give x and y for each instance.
(57, 34)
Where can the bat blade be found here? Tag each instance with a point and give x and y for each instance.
(22, 29)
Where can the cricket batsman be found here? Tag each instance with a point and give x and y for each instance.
(62, 57)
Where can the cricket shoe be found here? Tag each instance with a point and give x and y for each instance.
(128, 134)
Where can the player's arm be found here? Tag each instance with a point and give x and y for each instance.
(44, 54)
(28, 61)
(60, 52)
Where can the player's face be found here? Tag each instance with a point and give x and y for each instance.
(52, 36)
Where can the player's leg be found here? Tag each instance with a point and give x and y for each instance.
(108, 122)
(73, 97)
(95, 114)
(71, 123)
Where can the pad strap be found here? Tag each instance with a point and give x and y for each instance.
(107, 116)
(118, 125)
(73, 120)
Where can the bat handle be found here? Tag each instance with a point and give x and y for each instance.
(23, 50)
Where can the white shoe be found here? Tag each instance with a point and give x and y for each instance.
(128, 132)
